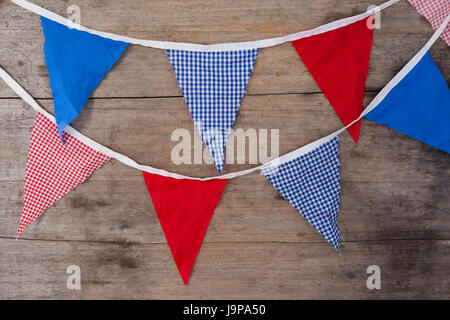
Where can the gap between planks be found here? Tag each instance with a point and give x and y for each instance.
(218, 242)
(180, 96)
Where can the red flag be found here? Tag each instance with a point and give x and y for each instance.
(339, 61)
(54, 169)
(184, 209)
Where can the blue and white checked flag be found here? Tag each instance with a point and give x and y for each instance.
(311, 184)
(213, 85)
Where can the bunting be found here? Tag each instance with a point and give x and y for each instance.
(311, 184)
(213, 85)
(339, 62)
(77, 62)
(415, 102)
(184, 209)
(54, 169)
(418, 106)
(435, 11)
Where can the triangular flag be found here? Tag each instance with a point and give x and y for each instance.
(311, 184)
(418, 106)
(339, 62)
(213, 85)
(54, 169)
(435, 11)
(184, 209)
(77, 62)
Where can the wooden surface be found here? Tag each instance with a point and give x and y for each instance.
(395, 190)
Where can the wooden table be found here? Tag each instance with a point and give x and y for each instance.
(395, 190)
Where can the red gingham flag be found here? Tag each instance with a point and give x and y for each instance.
(435, 11)
(54, 169)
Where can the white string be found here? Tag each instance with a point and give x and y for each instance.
(285, 158)
(200, 47)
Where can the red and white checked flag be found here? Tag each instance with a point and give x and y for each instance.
(54, 169)
(435, 11)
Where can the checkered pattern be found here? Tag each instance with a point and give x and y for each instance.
(435, 11)
(311, 184)
(54, 169)
(213, 85)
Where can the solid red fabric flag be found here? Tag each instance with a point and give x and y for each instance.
(54, 169)
(339, 62)
(184, 209)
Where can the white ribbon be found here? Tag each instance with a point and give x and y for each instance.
(200, 47)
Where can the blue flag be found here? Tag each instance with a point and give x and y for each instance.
(213, 85)
(418, 106)
(311, 184)
(77, 62)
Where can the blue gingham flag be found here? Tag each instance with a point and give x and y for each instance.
(213, 84)
(311, 184)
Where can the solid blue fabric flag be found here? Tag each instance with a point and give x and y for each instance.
(418, 106)
(77, 62)
(311, 184)
(213, 85)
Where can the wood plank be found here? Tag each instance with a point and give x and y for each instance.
(409, 269)
(146, 72)
(250, 211)
(388, 191)
(146, 125)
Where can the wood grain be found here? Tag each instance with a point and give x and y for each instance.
(395, 202)
(411, 269)
(146, 72)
